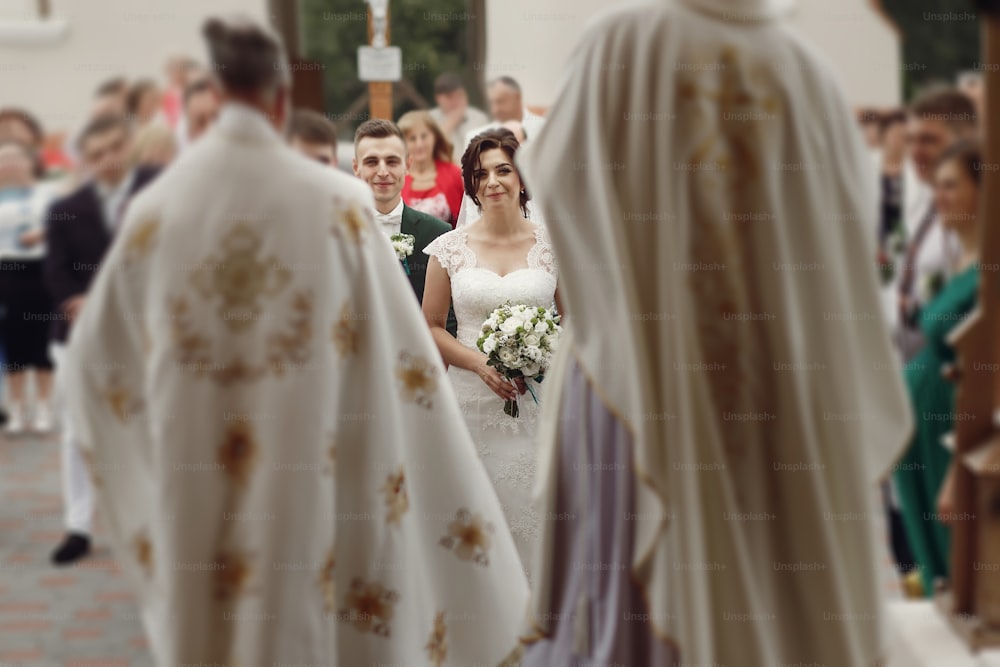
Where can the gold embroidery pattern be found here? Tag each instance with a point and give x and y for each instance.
(121, 402)
(345, 333)
(144, 552)
(192, 348)
(140, 241)
(95, 477)
(470, 536)
(353, 222)
(286, 351)
(396, 499)
(369, 607)
(230, 577)
(238, 452)
(290, 350)
(417, 379)
(733, 145)
(326, 581)
(239, 278)
(727, 138)
(437, 644)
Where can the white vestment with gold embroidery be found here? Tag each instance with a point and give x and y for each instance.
(281, 463)
(711, 205)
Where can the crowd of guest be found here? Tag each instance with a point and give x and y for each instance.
(62, 200)
(59, 210)
(929, 165)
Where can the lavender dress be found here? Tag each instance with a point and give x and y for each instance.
(599, 616)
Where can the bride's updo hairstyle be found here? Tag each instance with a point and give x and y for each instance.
(501, 138)
(246, 57)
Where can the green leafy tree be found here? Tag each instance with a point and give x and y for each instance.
(432, 37)
(940, 39)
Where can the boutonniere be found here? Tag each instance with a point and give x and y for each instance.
(403, 245)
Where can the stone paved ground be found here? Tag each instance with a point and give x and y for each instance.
(81, 616)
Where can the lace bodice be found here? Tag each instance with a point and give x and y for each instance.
(476, 291)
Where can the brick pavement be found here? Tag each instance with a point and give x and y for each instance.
(80, 616)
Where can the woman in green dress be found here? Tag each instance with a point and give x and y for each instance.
(921, 472)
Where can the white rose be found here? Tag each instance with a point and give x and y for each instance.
(531, 340)
(506, 356)
(490, 344)
(541, 327)
(531, 370)
(511, 324)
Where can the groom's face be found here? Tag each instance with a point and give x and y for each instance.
(381, 163)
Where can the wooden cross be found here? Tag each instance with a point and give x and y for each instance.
(379, 92)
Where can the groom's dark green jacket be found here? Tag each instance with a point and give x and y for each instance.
(424, 229)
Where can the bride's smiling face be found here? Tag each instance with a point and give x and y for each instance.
(499, 185)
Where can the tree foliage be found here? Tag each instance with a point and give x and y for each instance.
(940, 39)
(431, 35)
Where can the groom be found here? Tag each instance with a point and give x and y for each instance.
(381, 161)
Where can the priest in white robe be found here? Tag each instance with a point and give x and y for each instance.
(726, 399)
(282, 464)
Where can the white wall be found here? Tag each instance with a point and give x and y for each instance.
(862, 46)
(104, 38)
(531, 41)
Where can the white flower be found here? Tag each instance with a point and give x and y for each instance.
(541, 327)
(510, 325)
(490, 344)
(403, 245)
(531, 340)
(531, 370)
(506, 356)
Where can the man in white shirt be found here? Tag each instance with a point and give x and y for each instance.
(453, 112)
(314, 135)
(381, 161)
(201, 107)
(935, 120)
(79, 232)
(506, 104)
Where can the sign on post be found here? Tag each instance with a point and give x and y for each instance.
(380, 64)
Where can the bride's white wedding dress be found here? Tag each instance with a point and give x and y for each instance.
(505, 445)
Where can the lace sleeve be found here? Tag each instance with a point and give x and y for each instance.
(450, 250)
(542, 256)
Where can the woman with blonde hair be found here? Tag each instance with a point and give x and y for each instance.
(434, 183)
(154, 146)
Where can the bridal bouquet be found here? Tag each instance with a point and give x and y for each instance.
(403, 245)
(520, 341)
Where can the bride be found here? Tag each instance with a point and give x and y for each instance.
(501, 257)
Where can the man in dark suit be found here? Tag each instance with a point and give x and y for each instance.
(80, 229)
(380, 159)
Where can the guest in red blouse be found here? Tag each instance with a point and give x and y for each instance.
(434, 183)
